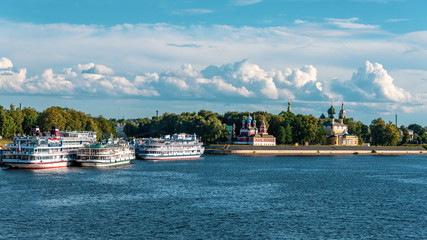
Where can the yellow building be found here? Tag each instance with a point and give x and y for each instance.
(337, 130)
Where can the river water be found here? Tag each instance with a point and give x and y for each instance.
(221, 197)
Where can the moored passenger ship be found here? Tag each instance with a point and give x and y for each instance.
(55, 149)
(108, 154)
(179, 146)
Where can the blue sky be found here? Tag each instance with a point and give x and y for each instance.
(130, 58)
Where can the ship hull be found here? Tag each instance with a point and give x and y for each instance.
(36, 165)
(104, 164)
(160, 157)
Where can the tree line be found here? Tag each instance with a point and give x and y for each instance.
(287, 127)
(17, 121)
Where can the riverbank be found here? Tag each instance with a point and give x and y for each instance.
(312, 150)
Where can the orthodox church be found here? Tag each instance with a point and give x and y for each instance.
(336, 129)
(249, 134)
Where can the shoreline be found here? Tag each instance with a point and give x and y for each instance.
(311, 150)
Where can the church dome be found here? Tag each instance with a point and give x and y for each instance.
(343, 113)
(322, 116)
(332, 112)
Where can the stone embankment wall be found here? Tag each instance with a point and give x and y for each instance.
(312, 150)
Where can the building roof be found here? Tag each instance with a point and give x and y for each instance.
(336, 123)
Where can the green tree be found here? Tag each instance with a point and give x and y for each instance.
(131, 129)
(281, 135)
(288, 134)
(91, 125)
(358, 128)
(405, 134)
(53, 116)
(392, 134)
(417, 138)
(7, 125)
(384, 134)
(274, 124)
(30, 120)
(418, 129)
(321, 134)
(17, 117)
(377, 128)
(424, 138)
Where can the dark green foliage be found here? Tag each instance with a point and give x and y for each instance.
(405, 135)
(287, 127)
(16, 121)
(321, 134)
(30, 119)
(205, 124)
(358, 128)
(384, 134)
(420, 135)
(418, 129)
(281, 135)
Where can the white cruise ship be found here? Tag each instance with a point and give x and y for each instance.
(111, 153)
(177, 146)
(54, 150)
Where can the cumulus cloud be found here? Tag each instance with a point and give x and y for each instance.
(301, 77)
(235, 80)
(371, 82)
(50, 83)
(241, 81)
(92, 79)
(5, 63)
(12, 81)
(95, 69)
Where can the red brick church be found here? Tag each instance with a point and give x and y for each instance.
(249, 134)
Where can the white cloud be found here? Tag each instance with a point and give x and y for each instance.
(371, 82)
(12, 81)
(5, 63)
(237, 80)
(302, 76)
(394, 20)
(151, 47)
(50, 83)
(146, 55)
(230, 90)
(350, 23)
(299, 21)
(243, 82)
(95, 69)
(193, 11)
(246, 2)
(92, 79)
(373, 74)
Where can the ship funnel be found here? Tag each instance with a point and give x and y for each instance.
(54, 131)
(36, 131)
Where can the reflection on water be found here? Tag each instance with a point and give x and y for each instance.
(221, 197)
